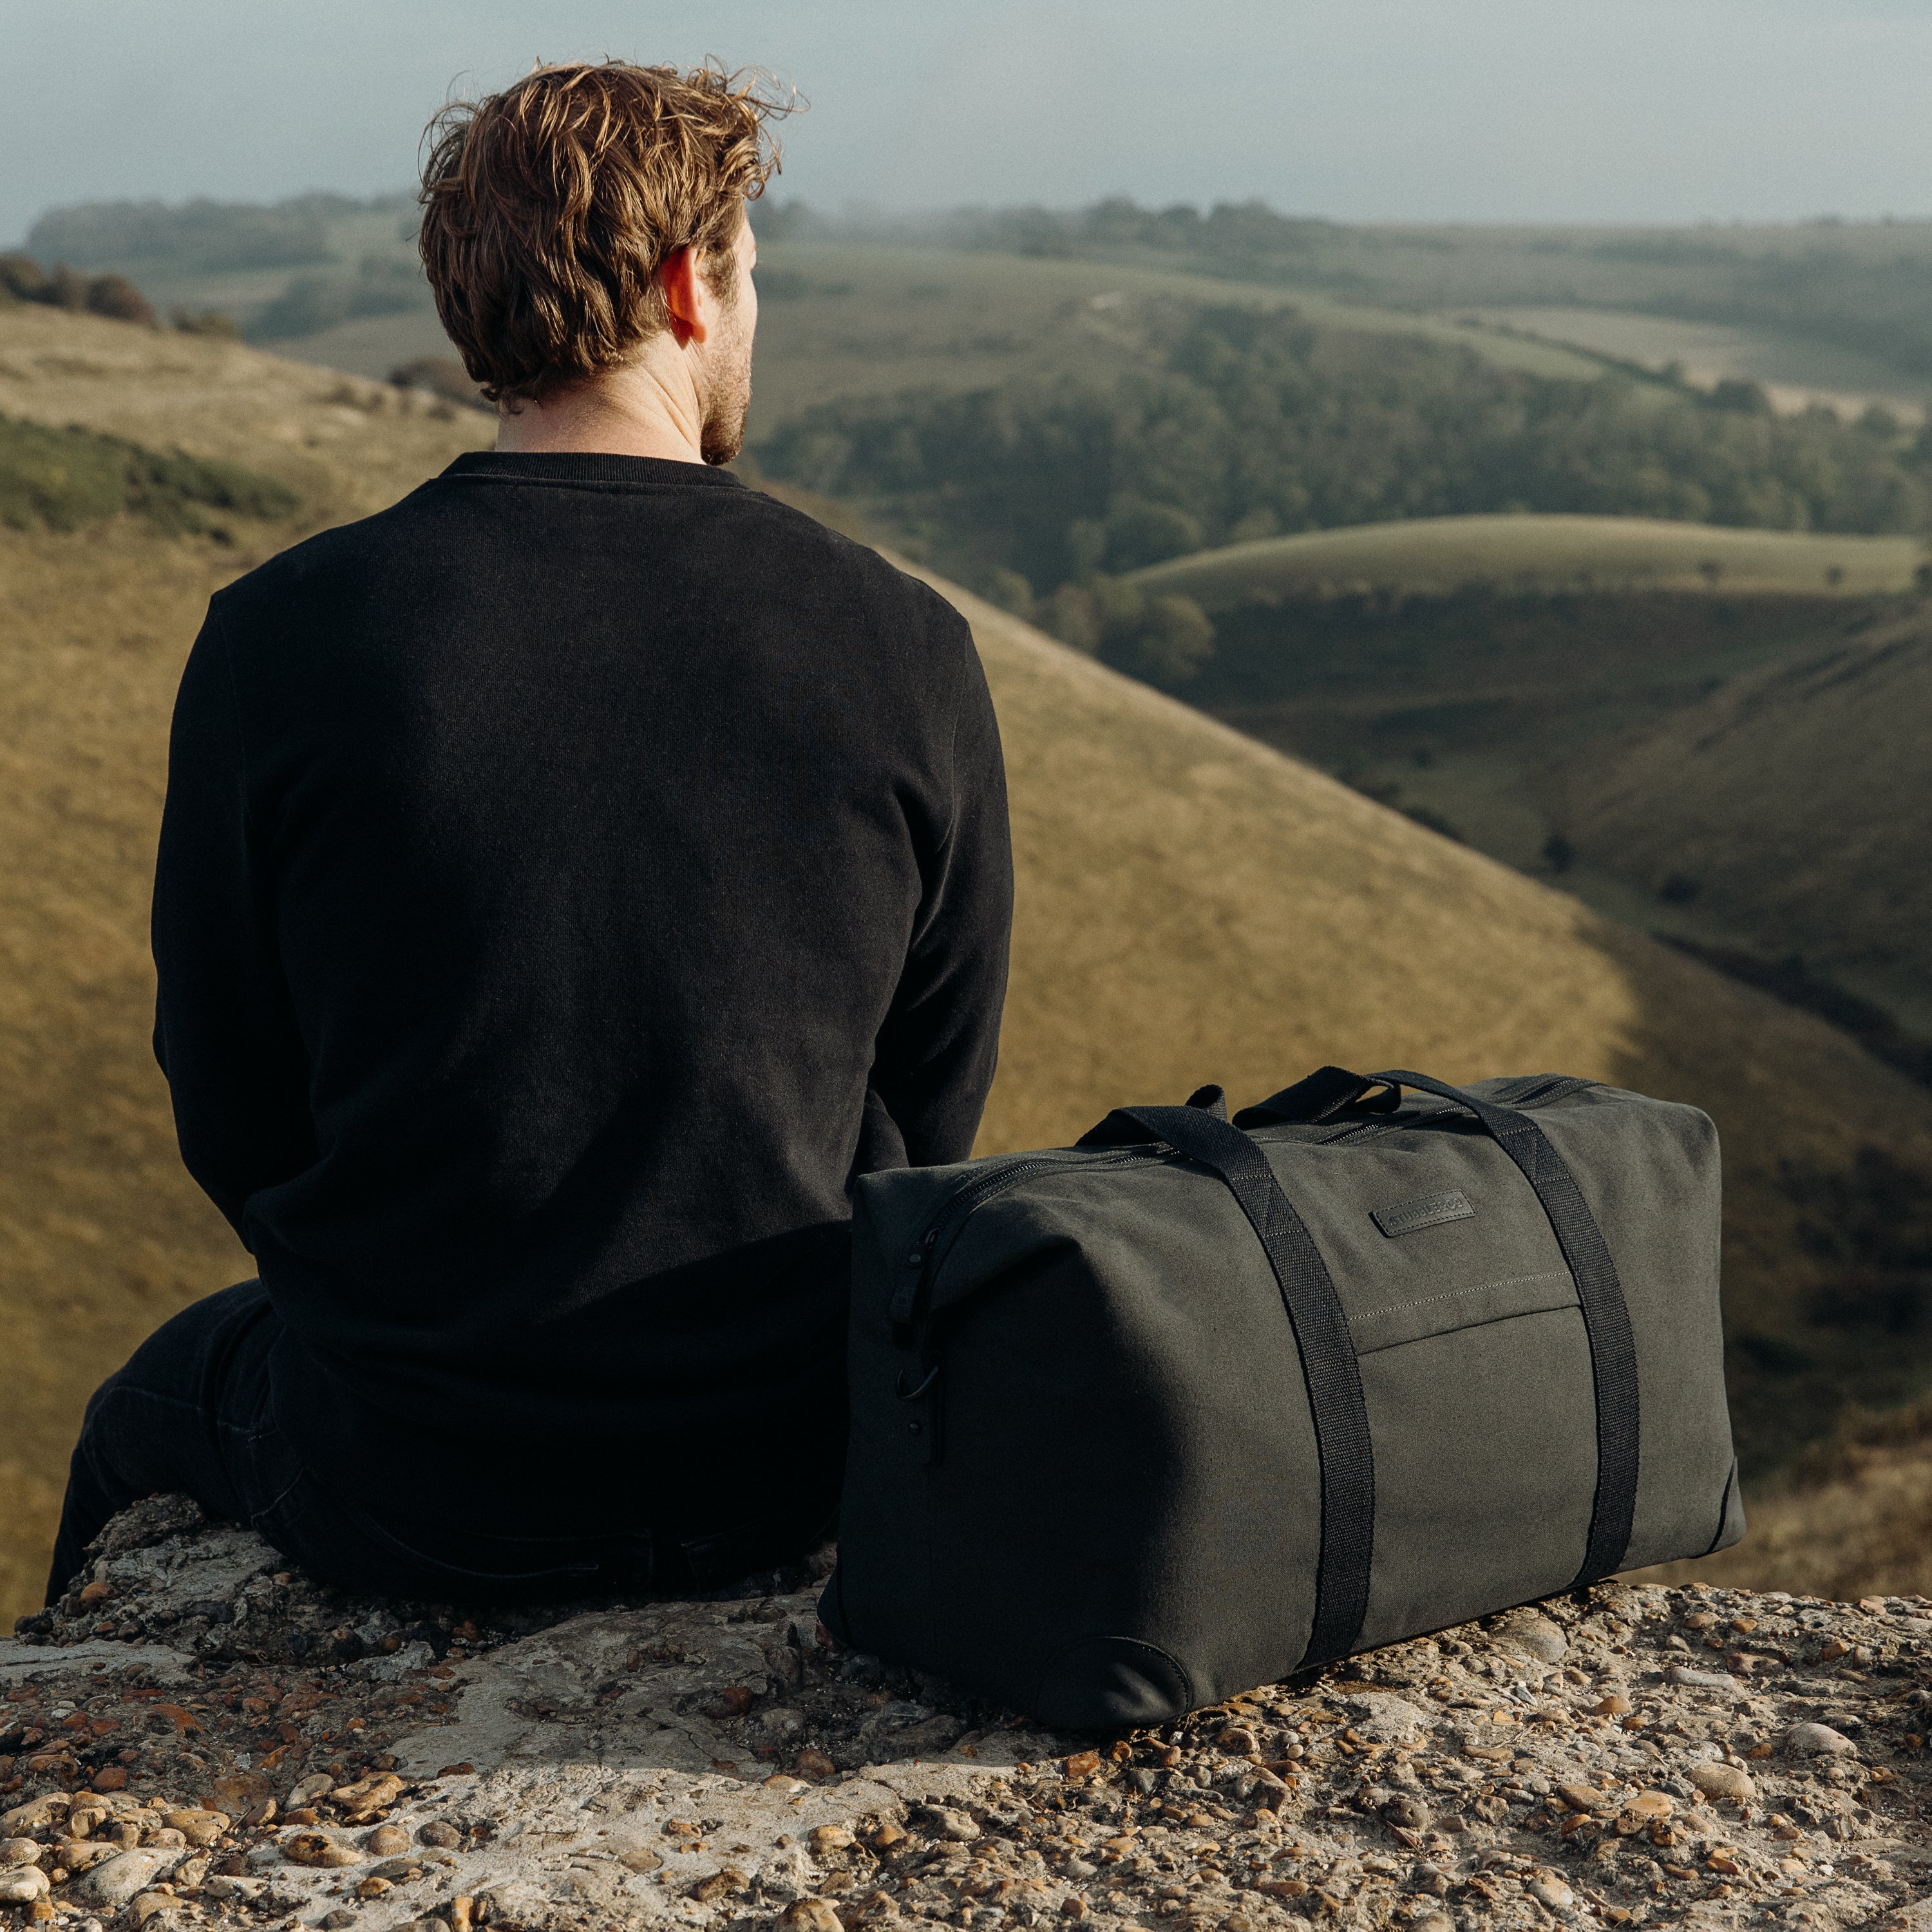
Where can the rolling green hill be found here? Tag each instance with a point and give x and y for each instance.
(1192, 906)
(1438, 556)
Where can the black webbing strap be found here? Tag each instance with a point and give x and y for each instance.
(1606, 1314)
(1328, 1365)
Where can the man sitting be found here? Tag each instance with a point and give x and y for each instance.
(572, 878)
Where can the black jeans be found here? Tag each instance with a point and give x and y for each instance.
(191, 1413)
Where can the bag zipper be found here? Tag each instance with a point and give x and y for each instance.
(924, 1254)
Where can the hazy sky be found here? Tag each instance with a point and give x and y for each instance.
(1587, 110)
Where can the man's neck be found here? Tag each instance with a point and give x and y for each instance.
(638, 410)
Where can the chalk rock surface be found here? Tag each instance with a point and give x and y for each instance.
(198, 1735)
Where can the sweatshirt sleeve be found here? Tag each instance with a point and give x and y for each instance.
(225, 1029)
(938, 1049)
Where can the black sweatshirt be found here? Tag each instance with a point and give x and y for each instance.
(571, 879)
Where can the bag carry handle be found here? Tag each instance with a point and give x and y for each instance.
(1606, 1313)
(1345, 1453)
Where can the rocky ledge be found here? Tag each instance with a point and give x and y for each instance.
(199, 1736)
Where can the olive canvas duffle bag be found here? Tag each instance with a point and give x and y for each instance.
(1145, 1422)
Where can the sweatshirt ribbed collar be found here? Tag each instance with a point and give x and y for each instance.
(587, 466)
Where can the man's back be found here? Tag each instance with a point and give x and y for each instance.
(553, 864)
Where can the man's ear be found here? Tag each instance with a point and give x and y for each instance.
(677, 275)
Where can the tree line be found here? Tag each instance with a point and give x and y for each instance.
(1249, 423)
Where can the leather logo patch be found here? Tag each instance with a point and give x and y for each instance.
(1425, 1211)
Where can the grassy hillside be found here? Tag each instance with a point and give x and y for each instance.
(1192, 906)
(1656, 714)
(1798, 800)
(1438, 556)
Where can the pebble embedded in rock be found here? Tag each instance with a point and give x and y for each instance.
(319, 1851)
(197, 1827)
(1708, 1680)
(241, 1791)
(34, 1816)
(1722, 1781)
(19, 1852)
(1552, 1892)
(1810, 1740)
(115, 1881)
(956, 1827)
(386, 1841)
(235, 1886)
(360, 1801)
(82, 1856)
(810, 1915)
(439, 1832)
(1531, 1634)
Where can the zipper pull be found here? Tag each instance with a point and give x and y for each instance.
(905, 1289)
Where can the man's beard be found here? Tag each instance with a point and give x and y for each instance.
(727, 392)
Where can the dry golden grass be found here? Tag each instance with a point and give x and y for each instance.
(1856, 1521)
(1192, 906)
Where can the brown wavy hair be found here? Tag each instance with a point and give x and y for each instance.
(548, 209)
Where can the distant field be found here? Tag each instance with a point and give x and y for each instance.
(1437, 556)
(1828, 310)
(1793, 370)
